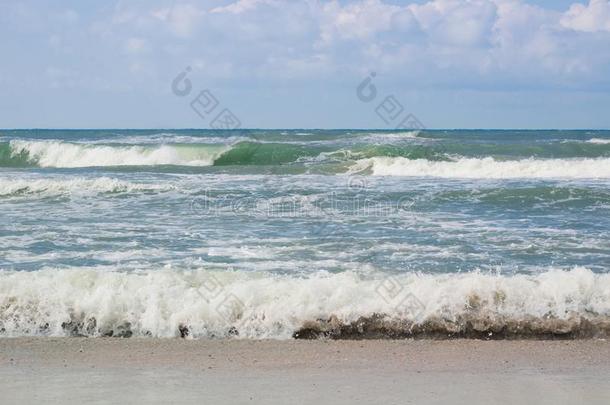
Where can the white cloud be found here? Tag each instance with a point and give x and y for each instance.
(67, 16)
(359, 20)
(55, 41)
(136, 45)
(460, 23)
(182, 19)
(436, 43)
(242, 6)
(590, 18)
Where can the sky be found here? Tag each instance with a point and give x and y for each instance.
(303, 64)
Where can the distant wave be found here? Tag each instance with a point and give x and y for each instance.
(198, 303)
(388, 136)
(485, 168)
(64, 154)
(599, 141)
(167, 138)
(239, 152)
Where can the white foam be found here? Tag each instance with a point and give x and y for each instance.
(259, 305)
(485, 168)
(166, 138)
(600, 141)
(63, 154)
(49, 187)
(378, 137)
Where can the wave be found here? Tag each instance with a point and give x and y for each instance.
(599, 141)
(485, 168)
(238, 152)
(64, 154)
(388, 136)
(204, 304)
(258, 153)
(541, 196)
(166, 138)
(51, 187)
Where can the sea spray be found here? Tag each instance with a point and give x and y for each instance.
(165, 303)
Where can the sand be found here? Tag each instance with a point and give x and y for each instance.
(103, 370)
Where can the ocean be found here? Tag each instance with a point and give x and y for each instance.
(252, 234)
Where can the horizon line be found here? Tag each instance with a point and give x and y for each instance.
(295, 129)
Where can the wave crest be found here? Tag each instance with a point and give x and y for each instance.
(64, 154)
(51, 187)
(199, 303)
(485, 168)
(599, 141)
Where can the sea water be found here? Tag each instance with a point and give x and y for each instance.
(304, 233)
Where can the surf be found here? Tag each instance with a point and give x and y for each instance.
(485, 168)
(51, 187)
(204, 304)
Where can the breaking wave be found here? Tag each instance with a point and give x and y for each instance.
(379, 148)
(20, 153)
(201, 304)
(485, 168)
(64, 154)
(53, 187)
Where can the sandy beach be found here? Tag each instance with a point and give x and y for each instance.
(73, 370)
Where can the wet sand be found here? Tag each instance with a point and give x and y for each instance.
(102, 370)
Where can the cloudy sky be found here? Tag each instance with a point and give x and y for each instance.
(297, 64)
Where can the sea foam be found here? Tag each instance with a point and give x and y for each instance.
(203, 304)
(600, 141)
(485, 168)
(53, 187)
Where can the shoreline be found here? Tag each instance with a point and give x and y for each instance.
(72, 370)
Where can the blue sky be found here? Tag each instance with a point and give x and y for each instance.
(297, 64)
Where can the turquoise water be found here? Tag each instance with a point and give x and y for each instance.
(115, 230)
